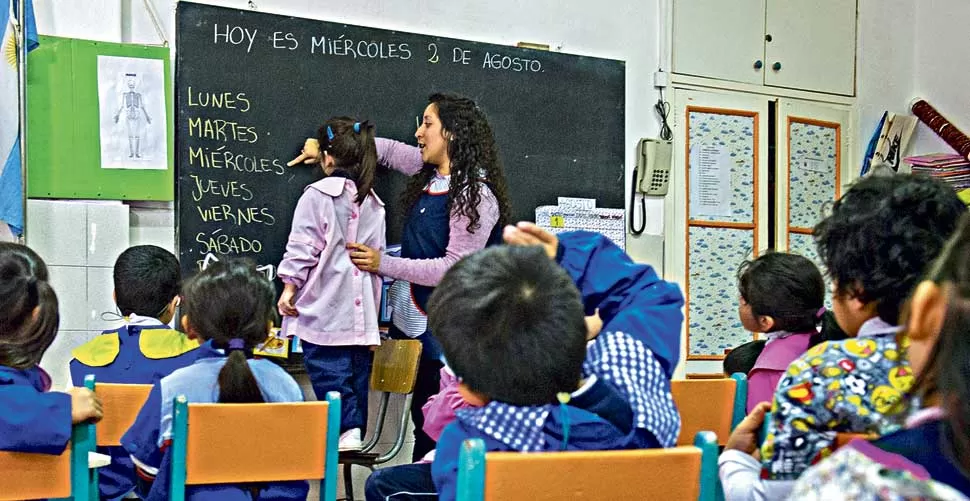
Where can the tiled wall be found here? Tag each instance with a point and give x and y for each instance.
(80, 241)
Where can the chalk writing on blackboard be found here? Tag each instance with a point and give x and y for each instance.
(341, 45)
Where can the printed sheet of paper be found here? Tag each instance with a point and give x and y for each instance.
(131, 104)
(710, 181)
(813, 164)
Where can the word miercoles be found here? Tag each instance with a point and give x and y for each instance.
(371, 49)
(220, 158)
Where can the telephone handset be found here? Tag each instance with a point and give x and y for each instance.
(651, 176)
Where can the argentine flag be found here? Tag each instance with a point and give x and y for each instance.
(11, 186)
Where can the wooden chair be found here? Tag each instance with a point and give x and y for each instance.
(42, 476)
(680, 473)
(710, 404)
(394, 372)
(290, 441)
(121, 404)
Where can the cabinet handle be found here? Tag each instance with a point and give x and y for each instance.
(758, 64)
(768, 37)
(776, 66)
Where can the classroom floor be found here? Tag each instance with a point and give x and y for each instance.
(387, 440)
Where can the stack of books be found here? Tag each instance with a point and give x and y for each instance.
(950, 168)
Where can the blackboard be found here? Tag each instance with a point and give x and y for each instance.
(251, 86)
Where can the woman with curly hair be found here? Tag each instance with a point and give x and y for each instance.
(455, 204)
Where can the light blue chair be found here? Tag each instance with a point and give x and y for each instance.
(260, 442)
(678, 473)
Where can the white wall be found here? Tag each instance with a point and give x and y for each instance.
(942, 50)
(885, 64)
(902, 54)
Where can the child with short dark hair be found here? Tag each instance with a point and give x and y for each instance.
(231, 307)
(930, 458)
(875, 245)
(147, 280)
(32, 419)
(511, 323)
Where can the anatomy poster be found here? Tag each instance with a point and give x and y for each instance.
(131, 101)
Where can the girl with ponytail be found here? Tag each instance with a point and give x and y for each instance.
(230, 307)
(327, 302)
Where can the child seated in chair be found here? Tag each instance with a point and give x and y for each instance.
(143, 350)
(231, 307)
(511, 322)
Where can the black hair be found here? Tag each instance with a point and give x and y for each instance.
(146, 279)
(511, 324)
(231, 300)
(473, 156)
(24, 286)
(743, 358)
(353, 150)
(947, 371)
(880, 236)
(787, 287)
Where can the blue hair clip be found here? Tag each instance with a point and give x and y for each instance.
(357, 127)
(329, 133)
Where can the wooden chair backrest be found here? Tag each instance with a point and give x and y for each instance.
(35, 476)
(121, 404)
(675, 473)
(396, 366)
(282, 442)
(709, 405)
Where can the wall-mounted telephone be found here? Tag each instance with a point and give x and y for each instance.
(651, 176)
(653, 166)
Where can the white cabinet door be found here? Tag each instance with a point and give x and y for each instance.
(719, 39)
(813, 45)
(717, 213)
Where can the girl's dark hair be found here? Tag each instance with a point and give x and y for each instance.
(231, 300)
(787, 287)
(474, 162)
(24, 286)
(743, 358)
(947, 372)
(353, 151)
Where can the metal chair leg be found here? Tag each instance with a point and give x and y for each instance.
(348, 483)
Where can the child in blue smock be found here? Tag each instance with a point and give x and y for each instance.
(31, 418)
(229, 306)
(143, 350)
(511, 322)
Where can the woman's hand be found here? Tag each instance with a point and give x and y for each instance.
(309, 155)
(364, 258)
(526, 233)
(745, 436)
(285, 304)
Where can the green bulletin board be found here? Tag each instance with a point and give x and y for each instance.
(63, 136)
